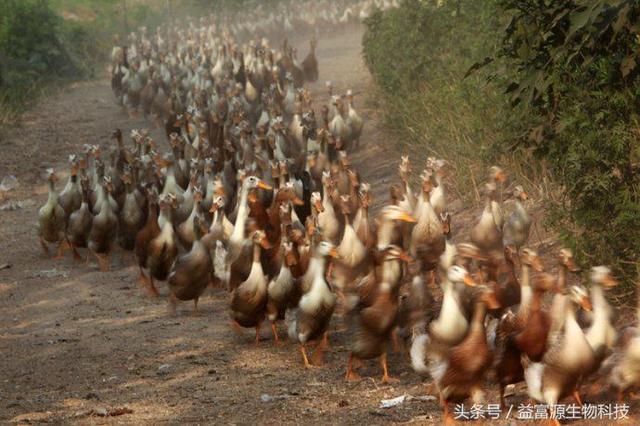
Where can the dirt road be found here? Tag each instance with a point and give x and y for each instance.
(76, 343)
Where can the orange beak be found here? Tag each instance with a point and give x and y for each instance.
(524, 196)
(265, 244)
(468, 280)
(263, 185)
(492, 301)
(501, 177)
(586, 304)
(334, 253)
(537, 264)
(298, 202)
(407, 218)
(609, 281)
(406, 257)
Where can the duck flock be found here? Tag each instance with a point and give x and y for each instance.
(256, 195)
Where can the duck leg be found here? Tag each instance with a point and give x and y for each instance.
(152, 288)
(576, 397)
(395, 342)
(448, 417)
(64, 245)
(503, 402)
(257, 340)
(196, 312)
(142, 278)
(385, 370)
(76, 254)
(318, 355)
(172, 305)
(45, 247)
(303, 350)
(351, 375)
(274, 330)
(103, 261)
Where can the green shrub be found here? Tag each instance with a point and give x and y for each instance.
(418, 55)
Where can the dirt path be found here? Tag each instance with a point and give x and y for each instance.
(73, 339)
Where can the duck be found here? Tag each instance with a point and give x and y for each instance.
(487, 232)
(626, 363)
(497, 178)
(310, 319)
(80, 222)
(427, 238)
(190, 274)
(216, 239)
(283, 291)
(526, 333)
(71, 196)
(146, 234)
(437, 196)
(354, 122)
(239, 248)
(375, 314)
(601, 335)
(163, 249)
(103, 229)
(361, 222)
(448, 256)
(249, 299)
(459, 371)
(132, 217)
(51, 219)
(310, 63)
(388, 219)
(186, 231)
(567, 358)
(516, 228)
(351, 250)
(327, 220)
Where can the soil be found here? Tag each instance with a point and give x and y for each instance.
(84, 347)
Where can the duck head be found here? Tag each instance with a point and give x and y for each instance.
(601, 275)
(459, 274)
(530, 258)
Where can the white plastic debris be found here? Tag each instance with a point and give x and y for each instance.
(393, 402)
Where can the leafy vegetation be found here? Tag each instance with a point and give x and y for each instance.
(557, 90)
(418, 55)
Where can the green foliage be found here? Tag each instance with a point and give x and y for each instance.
(570, 67)
(562, 93)
(418, 55)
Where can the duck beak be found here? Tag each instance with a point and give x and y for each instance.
(609, 281)
(298, 202)
(263, 185)
(524, 196)
(501, 177)
(334, 253)
(492, 301)
(319, 207)
(265, 244)
(537, 264)
(468, 280)
(407, 218)
(586, 304)
(406, 257)
(214, 208)
(571, 266)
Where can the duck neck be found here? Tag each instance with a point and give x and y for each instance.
(53, 195)
(562, 277)
(257, 251)
(385, 233)
(477, 323)
(525, 287)
(243, 213)
(598, 300)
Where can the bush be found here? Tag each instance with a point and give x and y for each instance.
(419, 54)
(562, 93)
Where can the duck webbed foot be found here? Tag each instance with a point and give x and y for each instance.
(386, 378)
(352, 375)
